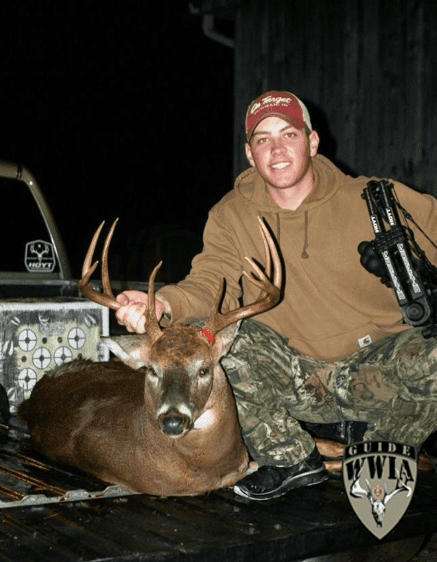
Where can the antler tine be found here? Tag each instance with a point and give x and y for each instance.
(267, 249)
(271, 251)
(90, 253)
(152, 325)
(106, 282)
(270, 292)
(106, 298)
(218, 298)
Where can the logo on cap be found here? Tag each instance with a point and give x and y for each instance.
(270, 101)
(285, 105)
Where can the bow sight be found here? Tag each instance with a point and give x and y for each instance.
(400, 261)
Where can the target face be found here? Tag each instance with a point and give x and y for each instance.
(27, 340)
(76, 338)
(62, 355)
(27, 379)
(41, 358)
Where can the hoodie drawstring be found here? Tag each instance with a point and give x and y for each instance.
(304, 254)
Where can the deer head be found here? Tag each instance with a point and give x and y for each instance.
(181, 363)
(377, 496)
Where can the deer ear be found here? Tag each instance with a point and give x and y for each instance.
(132, 350)
(225, 338)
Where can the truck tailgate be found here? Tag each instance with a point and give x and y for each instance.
(220, 526)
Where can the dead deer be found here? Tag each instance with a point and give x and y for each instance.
(162, 420)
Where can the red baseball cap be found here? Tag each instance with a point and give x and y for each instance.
(278, 104)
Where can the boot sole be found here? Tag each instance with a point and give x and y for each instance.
(299, 481)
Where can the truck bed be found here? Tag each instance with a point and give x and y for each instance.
(59, 514)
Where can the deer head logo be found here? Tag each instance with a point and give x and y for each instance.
(39, 257)
(373, 480)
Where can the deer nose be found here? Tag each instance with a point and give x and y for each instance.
(174, 423)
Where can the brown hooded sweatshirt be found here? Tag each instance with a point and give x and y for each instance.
(331, 305)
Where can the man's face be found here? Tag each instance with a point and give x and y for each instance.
(281, 153)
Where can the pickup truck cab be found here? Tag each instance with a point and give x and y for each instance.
(34, 262)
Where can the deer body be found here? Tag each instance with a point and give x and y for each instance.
(161, 420)
(102, 418)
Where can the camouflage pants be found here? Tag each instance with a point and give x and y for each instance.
(392, 384)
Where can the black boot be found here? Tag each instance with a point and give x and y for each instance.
(273, 481)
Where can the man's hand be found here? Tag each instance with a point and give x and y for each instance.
(373, 263)
(133, 305)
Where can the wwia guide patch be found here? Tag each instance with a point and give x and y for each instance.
(379, 478)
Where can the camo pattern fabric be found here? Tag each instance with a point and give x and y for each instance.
(392, 384)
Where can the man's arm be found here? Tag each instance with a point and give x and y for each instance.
(192, 298)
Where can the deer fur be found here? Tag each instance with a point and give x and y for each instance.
(109, 418)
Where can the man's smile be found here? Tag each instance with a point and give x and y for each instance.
(280, 165)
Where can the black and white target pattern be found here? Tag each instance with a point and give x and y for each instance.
(27, 340)
(27, 379)
(41, 358)
(39, 337)
(62, 355)
(76, 338)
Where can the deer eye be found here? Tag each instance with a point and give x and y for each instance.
(203, 372)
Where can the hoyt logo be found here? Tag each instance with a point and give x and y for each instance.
(39, 256)
(379, 477)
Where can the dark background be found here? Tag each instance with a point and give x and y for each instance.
(130, 110)
(118, 109)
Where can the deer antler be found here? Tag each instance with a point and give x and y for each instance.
(401, 486)
(356, 490)
(107, 297)
(268, 297)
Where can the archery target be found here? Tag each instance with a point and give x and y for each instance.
(33, 342)
(41, 358)
(62, 355)
(27, 379)
(76, 338)
(27, 340)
